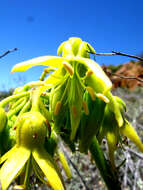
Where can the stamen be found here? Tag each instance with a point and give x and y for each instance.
(68, 67)
(85, 107)
(57, 108)
(91, 92)
(48, 70)
(89, 73)
(102, 97)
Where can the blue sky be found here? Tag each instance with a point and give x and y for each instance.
(37, 27)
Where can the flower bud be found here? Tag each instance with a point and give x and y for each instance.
(31, 129)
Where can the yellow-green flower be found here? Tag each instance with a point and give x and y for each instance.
(112, 131)
(75, 72)
(29, 153)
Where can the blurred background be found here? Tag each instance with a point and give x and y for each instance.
(37, 27)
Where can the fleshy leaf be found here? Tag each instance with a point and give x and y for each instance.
(51, 61)
(13, 166)
(49, 168)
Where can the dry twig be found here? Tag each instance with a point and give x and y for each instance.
(136, 174)
(134, 152)
(7, 52)
(117, 53)
(125, 77)
(74, 166)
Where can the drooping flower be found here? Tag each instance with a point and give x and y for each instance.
(29, 152)
(71, 79)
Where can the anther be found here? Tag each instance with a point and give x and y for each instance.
(85, 107)
(102, 97)
(57, 108)
(68, 67)
(89, 73)
(91, 92)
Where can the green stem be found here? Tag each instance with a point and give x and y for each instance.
(17, 109)
(108, 175)
(25, 108)
(4, 102)
(45, 112)
(14, 105)
(36, 99)
(43, 76)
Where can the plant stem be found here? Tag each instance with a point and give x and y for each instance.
(4, 102)
(36, 99)
(108, 175)
(17, 109)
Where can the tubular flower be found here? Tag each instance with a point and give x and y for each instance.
(29, 151)
(70, 80)
(112, 131)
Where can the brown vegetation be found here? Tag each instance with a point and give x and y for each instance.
(130, 69)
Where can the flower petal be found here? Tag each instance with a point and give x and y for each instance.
(49, 168)
(13, 166)
(55, 78)
(98, 76)
(52, 61)
(7, 155)
(130, 132)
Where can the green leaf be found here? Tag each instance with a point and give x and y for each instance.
(13, 166)
(49, 168)
(51, 61)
